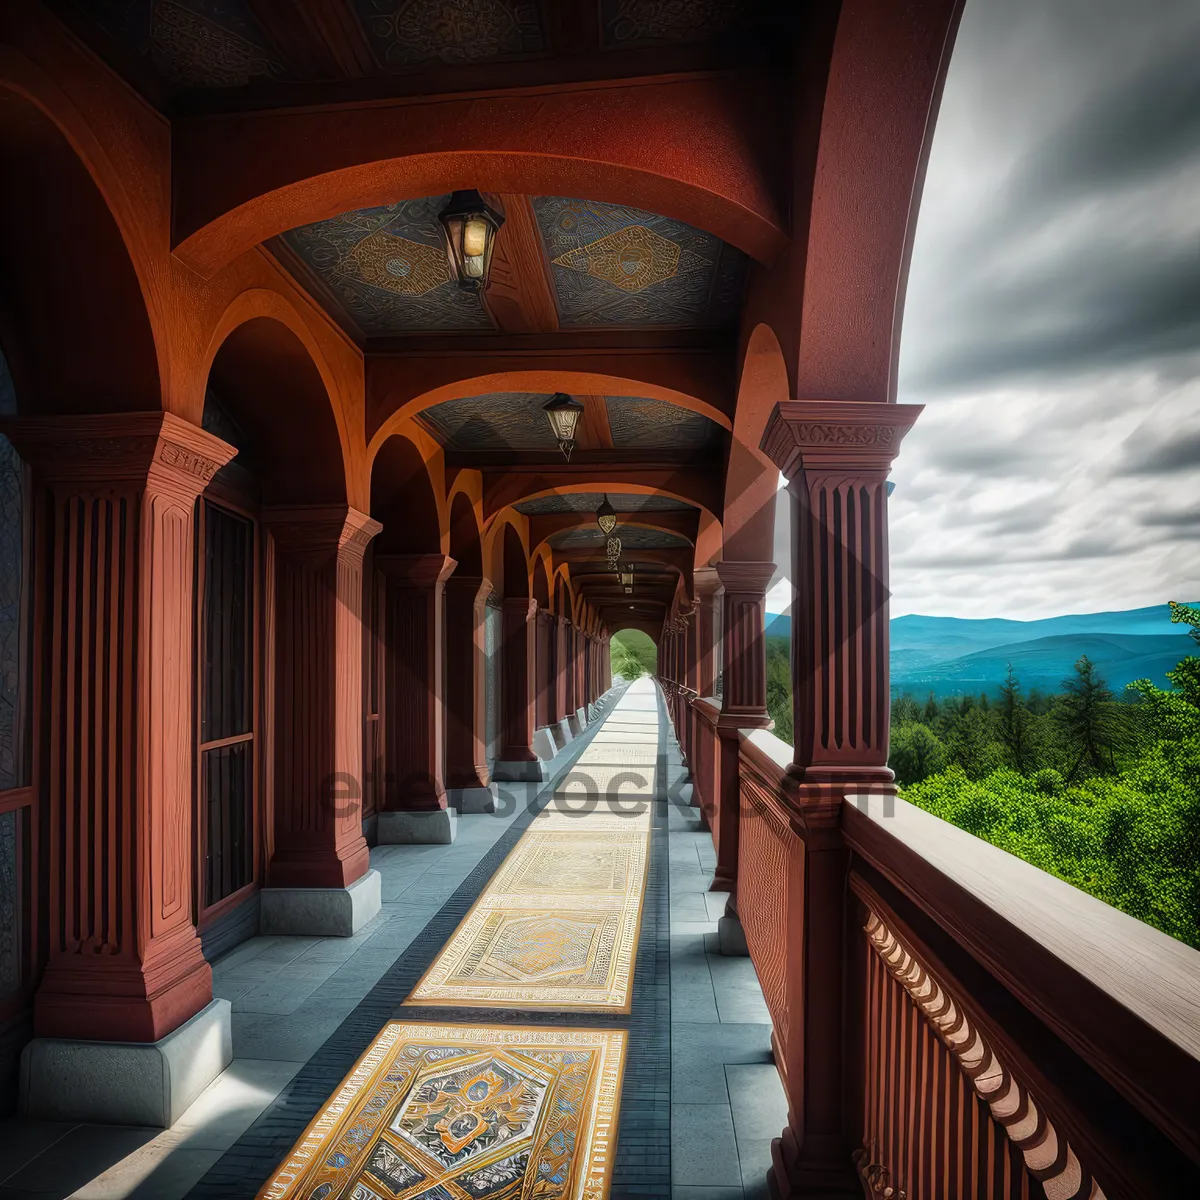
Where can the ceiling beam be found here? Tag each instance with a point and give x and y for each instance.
(595, 432)
(318, 39)
(520, 294)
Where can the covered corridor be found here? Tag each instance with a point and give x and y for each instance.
(365, 366)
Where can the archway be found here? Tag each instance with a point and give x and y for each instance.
(74, 326)
(632, 652)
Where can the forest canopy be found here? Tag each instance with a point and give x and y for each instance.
(1099, 789)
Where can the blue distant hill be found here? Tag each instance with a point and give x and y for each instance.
(953, 655)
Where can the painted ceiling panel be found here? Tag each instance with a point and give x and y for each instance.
(637, 423)
(501, 421)
(639, 21)
(618, 267)
(192, 43)
(388, 267)
(633, 537)
(574, 502)
(407, 33)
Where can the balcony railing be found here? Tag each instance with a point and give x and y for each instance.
(950, 1021)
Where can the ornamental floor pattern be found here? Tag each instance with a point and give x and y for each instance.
(443, 1110)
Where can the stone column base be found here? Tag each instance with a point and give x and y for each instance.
(435, 827)
(518, 772)
(126, 1083)
(731, 937)
(471, 800)
(543, 744)
(561, 732)
(321, 912)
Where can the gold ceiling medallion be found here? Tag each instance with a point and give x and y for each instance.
(631, 259)
(396, 264)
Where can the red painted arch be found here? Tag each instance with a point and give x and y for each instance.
(399, 388)
(701, 150)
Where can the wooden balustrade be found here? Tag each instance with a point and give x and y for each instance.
(998, 1033)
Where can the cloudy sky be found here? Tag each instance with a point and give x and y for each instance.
(1052, 326)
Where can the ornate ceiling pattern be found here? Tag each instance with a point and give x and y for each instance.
(205, 44)
(638, 21)
(579, 502)
(192, 43)
(633, 537)
(618, 267)
(501, 421)
(407, 33)
(636, 422)
(387, 266)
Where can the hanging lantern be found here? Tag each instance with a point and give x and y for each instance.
(627, 578)
(470, 224)
(606, 516)
(629, 591)
(563, 414)
(613, 548)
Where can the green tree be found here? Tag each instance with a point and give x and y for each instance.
(1089, 721)
(779, 686)
(1016, 725)
(932, 712)
(972, 741)
(904, 710)
(915, 752)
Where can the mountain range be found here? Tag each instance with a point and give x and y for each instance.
(954, 655)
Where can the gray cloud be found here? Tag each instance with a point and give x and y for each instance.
(1052, 322)
(1180, 452)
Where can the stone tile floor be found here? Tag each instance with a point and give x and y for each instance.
(289, 994)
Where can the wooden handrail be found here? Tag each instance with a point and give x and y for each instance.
(1123, 995)
(949, 1016)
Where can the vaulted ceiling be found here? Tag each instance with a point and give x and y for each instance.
(560, 264)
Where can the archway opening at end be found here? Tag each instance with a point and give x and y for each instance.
(632, 654)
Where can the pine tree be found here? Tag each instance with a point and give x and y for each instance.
(931, 713)
(1016, 724)
(1090, 724)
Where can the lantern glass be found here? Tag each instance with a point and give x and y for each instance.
(627, 578)
(471, 223)
(606, 516)
(563, 414)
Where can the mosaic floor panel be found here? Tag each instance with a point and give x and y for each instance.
(462, 1112)
(557, 926)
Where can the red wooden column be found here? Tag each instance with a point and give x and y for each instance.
(562, 674)
(318, 695)
(517, 760)
(835, 456)
(467, 775)
(545, 668)
(113, 697)
(708, 587)
(413, 807)
(743, 700)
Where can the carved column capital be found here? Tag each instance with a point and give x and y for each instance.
(745, 578)
(320, 528)
(418, 570)
(100, 451)
(836, 435)
(706, 582)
